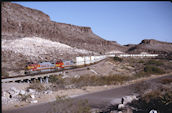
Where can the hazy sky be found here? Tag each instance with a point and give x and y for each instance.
(124, 22)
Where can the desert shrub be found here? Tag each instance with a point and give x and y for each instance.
(117, 59)
(4, 73)
(141, 87)
(16, 105)
(68, 105)
(113, 79)
(57, 81)
(154, 62)
(24, 97)
(158, 100)
(98, 80)
(37, 86)
(153, 70)
(141, 61)
(141, 74)
(166, 81)
(169, 56)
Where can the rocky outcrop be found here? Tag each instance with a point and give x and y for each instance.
(15, 95)
(151, 46)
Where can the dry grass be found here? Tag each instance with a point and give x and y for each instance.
(155, 62)
(99, 80)
(153, 70)
(67, 105)
(160, 100)
(87, 80)
(37, 86)
(166, 81)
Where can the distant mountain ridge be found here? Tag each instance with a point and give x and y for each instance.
(151, 46)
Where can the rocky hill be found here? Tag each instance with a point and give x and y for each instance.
(19, 21)
(151, 46)
(28, 35)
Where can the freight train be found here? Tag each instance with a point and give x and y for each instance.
(59, 65)
(35, 68)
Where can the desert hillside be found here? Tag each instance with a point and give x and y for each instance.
(151, 46)
(19, 22)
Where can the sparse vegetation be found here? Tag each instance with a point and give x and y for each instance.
(16, 105)
(154, 62)
(57, 81)
(37, 86)
(117, 59)
(141, 74)
(141, 61)
(99, 80)
(166, 81)
(87, 80)
(67, 105)
(24, 97)
(141, 87)
(160, 100)
(4, 73)
(153, 70)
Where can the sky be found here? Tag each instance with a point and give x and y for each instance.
(126, 22)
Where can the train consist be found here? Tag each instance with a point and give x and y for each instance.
(36, 68)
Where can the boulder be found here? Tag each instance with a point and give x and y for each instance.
(153, 111)
(121, 106)
(114, 111)
(34, 101)
(95, 110)
(128, 99)
(32, 91)
(22, 92)
(13, 92)
(4, 100)
(5, 95)
(48, 92)
(32, 96)
(14, 89)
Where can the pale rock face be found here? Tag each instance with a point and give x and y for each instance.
(36, 46)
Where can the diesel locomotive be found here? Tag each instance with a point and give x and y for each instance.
(36, 68)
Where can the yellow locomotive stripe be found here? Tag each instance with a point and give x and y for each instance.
(45, 68)
(31, 67)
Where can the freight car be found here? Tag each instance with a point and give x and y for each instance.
(35, 68)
